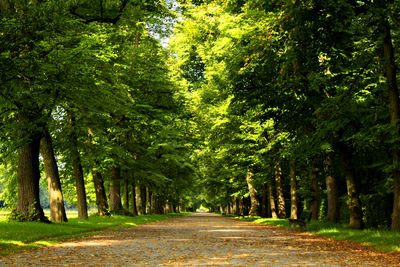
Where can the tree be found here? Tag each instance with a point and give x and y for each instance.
(57, 209)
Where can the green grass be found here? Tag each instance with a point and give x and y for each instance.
(15, 236)
(381, 240)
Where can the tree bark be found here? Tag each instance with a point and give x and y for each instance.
(57, 209)
(390, 69)
(115, 190)
(271, 198)
(279, 189)
(331, 188)
(315, 189)
(354, 202)
(293, 190)
(28, 176)
(253, 194)
(78, 171)
(101, 198)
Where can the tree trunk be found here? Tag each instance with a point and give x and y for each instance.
(237, 206)
(293, 190)
(253, 194)
(279, 189)
(170, 207)
(315, 189)
(390, 69)
(115, 190)
(80, 189)
(78, 171)
(143, 199)
(153, 203)
(331, 188)
(101, 198)
(271, 198)
(98, 181)
(28, 178)
(57, 209)
(126, 194)
(148, 201)
(228, 208)
(138, 200)
(241, 207)
(264, 206)
(355, 209)
(134, 209)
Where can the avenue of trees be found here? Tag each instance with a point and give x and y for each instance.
(258, 107)
(86, 85)
(296, 106)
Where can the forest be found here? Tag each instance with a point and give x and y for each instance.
(247, 107)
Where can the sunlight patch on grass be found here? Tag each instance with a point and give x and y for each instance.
(44, 243)
(328, 231)
(12, 242)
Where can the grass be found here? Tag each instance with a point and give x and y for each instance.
(16, 236)
(381, 240)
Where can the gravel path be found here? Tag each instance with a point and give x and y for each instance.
(202, 240)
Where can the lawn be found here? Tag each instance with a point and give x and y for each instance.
(15, 236)
(381, 240)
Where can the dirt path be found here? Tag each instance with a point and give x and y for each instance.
(201, 240)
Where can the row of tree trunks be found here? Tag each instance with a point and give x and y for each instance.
(268, 205)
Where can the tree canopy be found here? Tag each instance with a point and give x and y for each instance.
(254, 107)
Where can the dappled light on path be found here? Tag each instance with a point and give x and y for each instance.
(199, 240)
